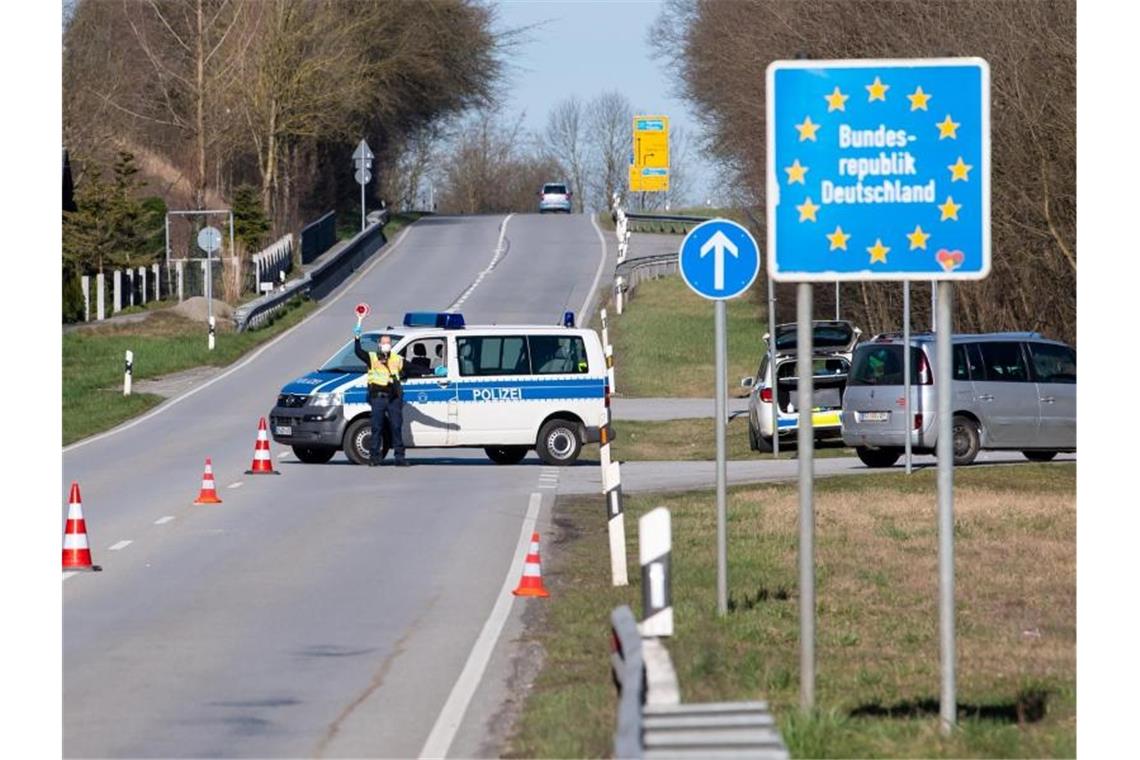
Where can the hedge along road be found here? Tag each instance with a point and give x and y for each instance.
(327, 611)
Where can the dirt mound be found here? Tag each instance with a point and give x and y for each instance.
(195, 309)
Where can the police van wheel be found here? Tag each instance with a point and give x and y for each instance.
(558, 442)
(314, 454)
(506, 454)
(357, 438)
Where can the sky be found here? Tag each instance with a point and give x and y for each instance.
(585, 48)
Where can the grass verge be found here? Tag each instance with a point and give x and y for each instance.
(93, 399)
(694, 440)
(877, 642)
(663, 343)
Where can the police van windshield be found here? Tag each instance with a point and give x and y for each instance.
(345, 360)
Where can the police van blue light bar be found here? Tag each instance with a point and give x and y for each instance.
(568, 319)
(446, 320)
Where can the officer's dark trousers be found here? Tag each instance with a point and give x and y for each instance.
(394, 409)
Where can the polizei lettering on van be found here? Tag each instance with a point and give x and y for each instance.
(496, 394)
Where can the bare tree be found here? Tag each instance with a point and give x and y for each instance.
(565, 138)
(610, 131)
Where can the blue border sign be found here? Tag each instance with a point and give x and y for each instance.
(879, 169)
(719, 259)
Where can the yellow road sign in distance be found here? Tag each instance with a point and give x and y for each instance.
(648, 179)
(651, 141)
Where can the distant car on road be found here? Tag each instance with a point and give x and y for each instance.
(1011, 391)
(832, 342)
(554, 196)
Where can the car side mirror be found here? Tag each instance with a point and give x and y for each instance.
(747, 382)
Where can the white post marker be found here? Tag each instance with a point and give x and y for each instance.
(615, 523)
(128, 370)
(618, 294)
(655, 547)
(610, 366)
(180, 267)
(210, 339)
(157, 282)
(100, 297)
(605, 329)
(142, 285)
(85, 284)
(117, 281)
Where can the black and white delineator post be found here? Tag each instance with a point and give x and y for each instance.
(654, 548)
(615, 513)
(213, 330)
(609, 351)
(128, 369)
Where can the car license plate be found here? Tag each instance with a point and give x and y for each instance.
(874, 416)
(283, 429)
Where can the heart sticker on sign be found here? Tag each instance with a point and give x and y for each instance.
(950, 260)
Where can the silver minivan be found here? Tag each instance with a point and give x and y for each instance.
(1011, 391)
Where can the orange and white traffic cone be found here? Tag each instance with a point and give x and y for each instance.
(262, 461)
(531, 583)
(76, 552)
(209, 493)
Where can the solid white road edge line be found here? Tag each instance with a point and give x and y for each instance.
(583, 313)
(343, 287)
(120, 545)
(451, 716)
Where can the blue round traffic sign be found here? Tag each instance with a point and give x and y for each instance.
(719, 259)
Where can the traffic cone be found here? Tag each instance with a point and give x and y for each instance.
(262, 461)
(531, 583)
(76, 553)
(209, 493)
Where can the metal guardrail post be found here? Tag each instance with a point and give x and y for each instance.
(629, 673)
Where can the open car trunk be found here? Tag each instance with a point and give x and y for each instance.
(830, 380)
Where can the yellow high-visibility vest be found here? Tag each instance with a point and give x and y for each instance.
(380, 372)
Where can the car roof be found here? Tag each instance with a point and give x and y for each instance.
(928, 337)
(493, 329)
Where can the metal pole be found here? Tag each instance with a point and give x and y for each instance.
(169, 282)
(837, 300)
(721, 467)
(233, 256)
(362, 207)
(805, 452)
(933, 306)
(772, 367)
(908, 423)
(948, 704)
(209, 287)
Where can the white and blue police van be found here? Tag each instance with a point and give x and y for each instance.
(506, 389)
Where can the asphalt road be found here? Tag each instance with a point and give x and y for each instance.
(328, 611)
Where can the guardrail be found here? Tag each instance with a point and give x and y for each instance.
(632, 272)
(629, 677)
(319, 281)
(673, 223)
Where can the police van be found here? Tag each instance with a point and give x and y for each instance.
(505, 389)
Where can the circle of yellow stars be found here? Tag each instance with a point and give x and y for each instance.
(877, 91)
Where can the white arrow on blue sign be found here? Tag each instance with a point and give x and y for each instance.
(719, 259)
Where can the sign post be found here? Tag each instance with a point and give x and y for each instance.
(719, 260)
(210, 240)
(880, 170)
(362, 160)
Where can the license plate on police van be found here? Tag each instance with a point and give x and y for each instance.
(874, 416)
(283, 429)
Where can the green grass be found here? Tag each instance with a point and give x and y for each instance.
(877, 636)
(93, 398)
(694, 439)
(663, 343)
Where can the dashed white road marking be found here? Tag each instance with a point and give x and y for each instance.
(69, 573)
(120, 545)
(164, 520)
(235, 485)
(494, 262)
(284, 454)
(451, 716)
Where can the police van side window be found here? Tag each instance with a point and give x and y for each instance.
(961, 367)
(1004, 362)
(557, 354)
(493, 355)
(1053, 363)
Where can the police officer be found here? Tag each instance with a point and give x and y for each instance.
(385, 395)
